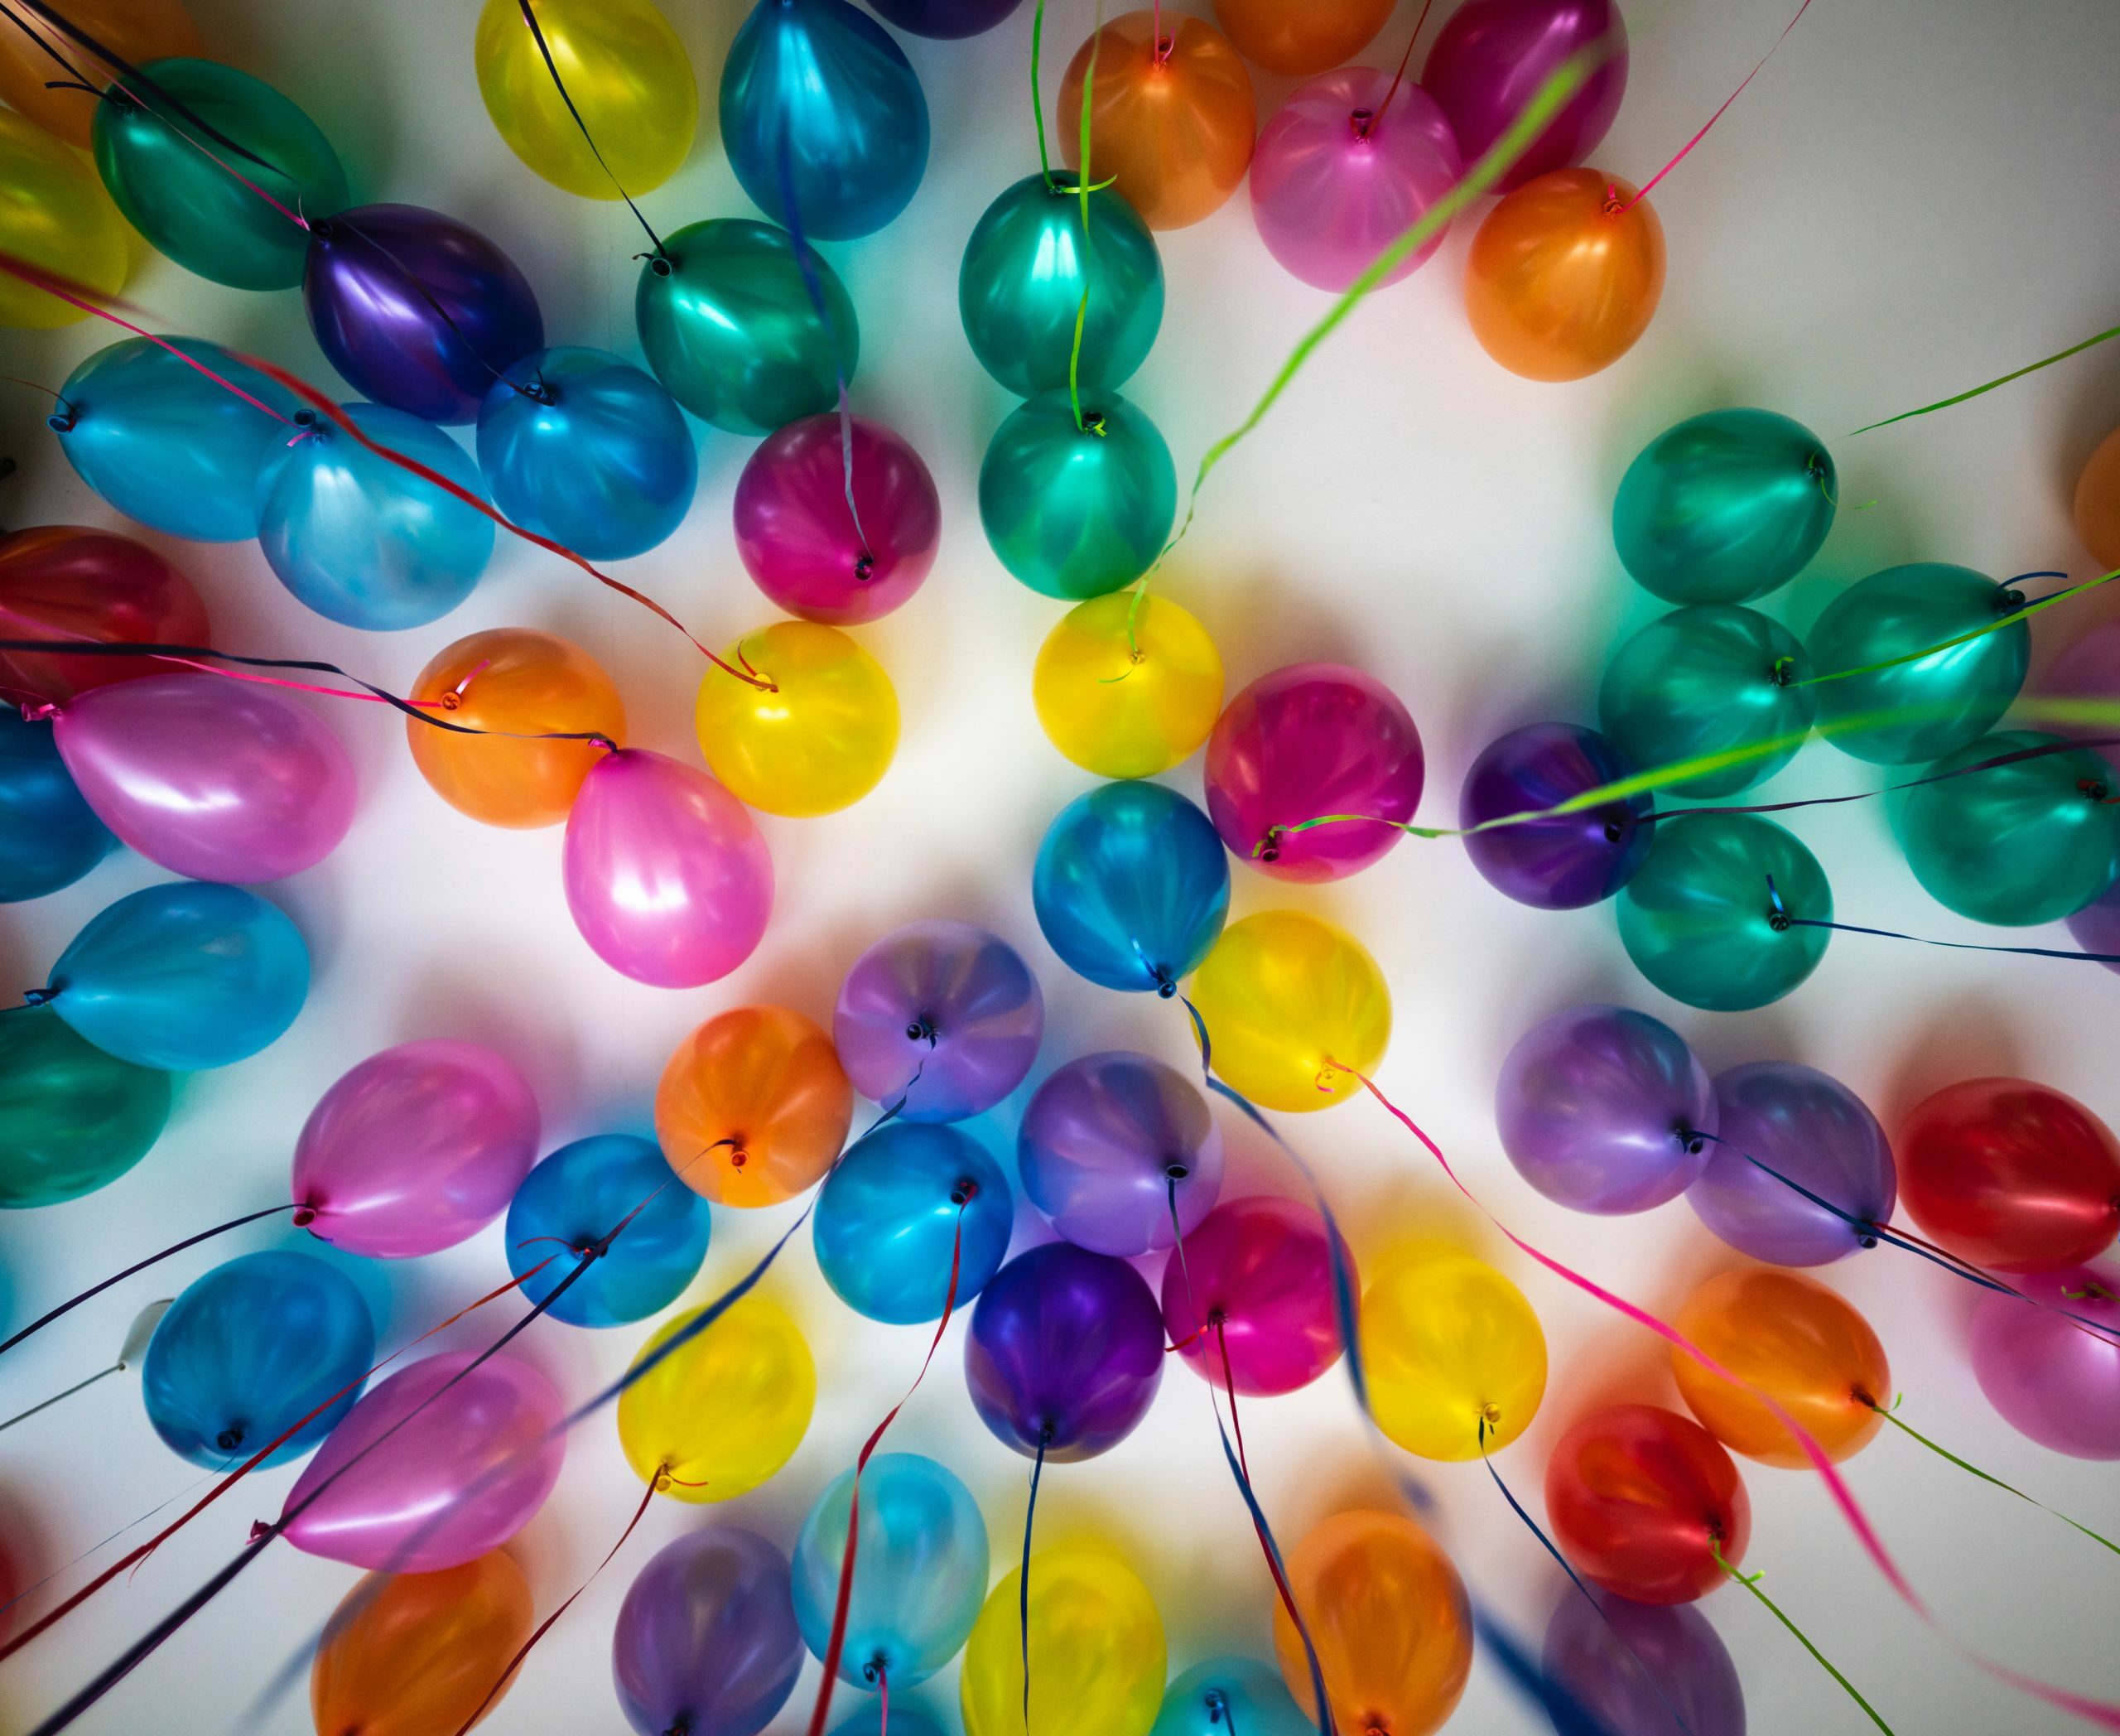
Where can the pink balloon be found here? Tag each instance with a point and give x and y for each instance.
(1262, 1269)
(799, 540)
(1337, 175)
(667, 874)
(1492, 56)
(469, 1468)
(214, 779)
(2048, 1378)
(1303, 742)
(415, 1149)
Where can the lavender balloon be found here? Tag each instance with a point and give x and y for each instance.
(1639, 1670)
(2096, 928)
(1571, 860)
(2089, 667)
(706, 1642)
(1491, 58)
(2051, 1379)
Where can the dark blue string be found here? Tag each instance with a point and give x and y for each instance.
(1022, 1574)
(1780, 919)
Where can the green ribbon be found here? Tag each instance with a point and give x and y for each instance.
(1038, 101)
(1082, 191)
(2011, 1488)
(1750, 1583)
(1944, 403)
(2022, 612)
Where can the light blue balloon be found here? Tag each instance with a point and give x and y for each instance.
(577, 1196)
(49, 837)
(363, 540)
(588, 450)
(249, 1351)
(1229, 1696)
(905, 1721)
(183, 976)
(887, 1216)
(919, 1570)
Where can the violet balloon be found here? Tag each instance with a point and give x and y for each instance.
(1259, 1273)
(1629, 1669)
(2096, 928)
(706, 1642)
(1568, 860)
(2048, 1378)
(1491, 58)
(2089, 667)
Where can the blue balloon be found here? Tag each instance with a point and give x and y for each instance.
(577, 1196)
(588, 450)
(819, 105)
(1229, 1696)
(363, 540)
(249, 1351)
(919, 1570)
(183, 976)
(887, 1216)
(49, 837)
(1131, 887)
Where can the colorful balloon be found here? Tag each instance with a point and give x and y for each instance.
(906, 1719)
(1568, 860)
(49, 836)
(946, 18)
(2089, 667)
(64, 582)
(725, 1410)
(2047, 1377)
(57, 218)
(1639, 1670)
(2097, 503)
(73, 1118)
(1229, 1694)
(1127, 686)
(2096, 928)
(1259, 1272)
(574, 1199)
(1455, 1359)
(1095, 1644)
(820, 735)
(911, 1209)
(753, 1107)
(1077, 509)
(138, 30)
(1295, 1009)
(1492, 58)
(1299, 37)
(1641, 1500)
(418, 1654)
(707, 1640)
(1113, 1146)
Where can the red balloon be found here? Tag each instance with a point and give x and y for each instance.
(63, 582)
(1639, 1497)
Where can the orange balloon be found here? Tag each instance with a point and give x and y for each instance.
(1564, 275)
(1300, 37)
(523, 682)
(1795, 1340)
(136, 31)
(2097, 502)
(1174, 127)
(1389, 1617)
(754, 1107)
(413, 1654)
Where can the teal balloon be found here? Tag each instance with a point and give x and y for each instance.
(49, 837)
(1020, 287)
(194, 209)
(1703, 681)
(1951, 697)
(890, 1213)
(1724, 508)
(1074, 512)
(904, 1720)
(183, 976)
(576, 1197)
(1699, 919)
(72, 1118)
(1229, 1696)
(728, 325)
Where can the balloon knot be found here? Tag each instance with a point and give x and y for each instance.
(657, 262)
(1361, 121)
(864, 567)
(37, 710)
(1783, 673)
(1614, 204)
(738, 1158)
(1614, 831)
(260, 1531)
(922, 1030)
(1780, 921)
(964, 1192)
(1165, 988)
(1491, 1414)
(1867, 1242)
(229, 1440)
(1175, 1170)
(40, 997)
(62, 421)
(1093, 422)
(304, 1216)
(2095, 789)
(1269, 847)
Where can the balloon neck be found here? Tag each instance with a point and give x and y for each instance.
(229, 1440)
(1093, 422)
(260, 1531)
(539, 391)
(62, 420)
(682, 1726)
(1615, 830)
(1359, 122)
(1868, 1239)
(737, 1156)
(38, 710)
(2008, 599)
(876, 1670)
(2092, 1292)
(922, 1030)
(322, 228)
(304, 1216)
(1784, 671)
(1165, 46)
(1218, 1704)
(864, 567)
(41, 997)
(964, 1192)
(1270, 846)
(1175, 1170)
(1692, 1138)
(2096, 789)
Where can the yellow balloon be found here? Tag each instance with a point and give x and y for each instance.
(818, 738)
(626, 72)
(1121, 709)
(1449, 1342)
(1295, 1008)
(720, 1415)
(54, 212)
(1097, 1651)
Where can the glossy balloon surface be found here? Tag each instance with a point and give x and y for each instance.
(753, 1106)
(1457, 1359)
(1491, 58)
(1265, 1267)
(1301, 37)
(49, 836)
(415, 1654)
(1095, 1644)
(1294, 1009)
(945, 17)
(724, 1411)
(1222, 1694)
(1568, 860)
(56, 219)
(817, 738)
(1640, 1669)
(909, 1209)
(2050, 1380)
(1126, 691)
(138, 31)
(574, 1199)
(707, 1640)
(73, 1117)
(1641, 1499)
(64, 582)
(2097, 502)
(1075, 511)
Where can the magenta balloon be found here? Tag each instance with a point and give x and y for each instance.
(2089, 668)
(415, 1149)
(465, 1467)
(2051, 1379)
(667, 874)
(800, 542)
(1262, 1267)
(214, 779)
(1303, 741)
(1337, 175)
(1492, 56)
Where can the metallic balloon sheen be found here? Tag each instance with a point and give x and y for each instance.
(575, 1199)
(707, 1640)
(1256, 1284)
(1568, 860)
(49, 837)
(1634, 1666)
(1074, 511)
(73, 1117)
(1491, 58)
(2051, 1380)
(64, 582)
(888, 1219)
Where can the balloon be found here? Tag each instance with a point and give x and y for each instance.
(941, 1015)
(2047, 1377)
(186, 199)
(1955, 697)
(2089, 667)
(138, 30)
(1698, 921)
(415, 1149)
(1020, 287)
(574, 1199)
(1451, 1346)
(1300, 37)
(2097, 503)
(1639, 1670)
(2009, 1174)
(1126, 690)
(906, 1719)
(1072, 510)
(1564, 274)
(1568, 860)
(1639, 1497)
(818, 738)
(1227, 1694)
(1112, 1145)
(1295, 1009)
(1308, 740)
(1492, 58)
(249, 1352)
(1812, 1130)
(463, 1458)
(2096, 928)
(763, 1086)
(49, 837)
(706, 1642)
(719, 1415)
(910, 1208)
(1095, 1644)
(946, 18)
(418, 1654)
(57, 218)
(627, 72)
(1171, 118)
(1260, 1272)
(1064, 1355)
(806, 550)
(73, 1118)
(586, 448)
(183, 976)
(666, 876)
(64, 582)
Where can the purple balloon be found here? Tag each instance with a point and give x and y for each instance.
(942, 1013)
(2096, 928)
(1066, 1349)
(1572, 860)
(706, 1642)
(2048, 1378)
(1599, 1108)
(2089, 669)
(945, 17)
(416, 310)
(1492, 56)
(1627, 1671)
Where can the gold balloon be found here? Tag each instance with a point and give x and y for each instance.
(819, 737)
(1097, 1651)
(415, 1654)
(1121, 709)
(136, 31)
(54, 212)
(1449, 1342)
(1294, 1009)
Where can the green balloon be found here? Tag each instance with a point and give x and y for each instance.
(1076, 511)
(729, 326)
(72, 1118)
(1703, 680)
(1699, 920)
(2029, 842)
(191, 207)
(1725, 507)
(1953, 696)
(1021, 286)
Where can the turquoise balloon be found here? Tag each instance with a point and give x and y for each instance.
(728, 325)
(1951, 697)
(577, 1196)
(904, 1721)
(49, 837)
(1076, 511)
(1702, 681)
(1229, 1696)
(72, 1118)
(1020, 287)
(1724, 508)
(1699, 922)
(888, 1214)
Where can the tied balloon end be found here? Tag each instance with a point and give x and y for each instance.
(659, 262)
(864, 567)
(41, 997)
(62, 420)
(964, 1193)
(1268, 849)
(304, 1216)
(1778, 918)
